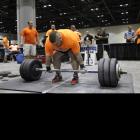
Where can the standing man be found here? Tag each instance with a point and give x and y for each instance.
(30, 40)
(88, 39)
(98, 36)
(58, 44)
(53, 28)
(102, 40)
(6, 44)
(14, 49)
(73, 28)
(137, 35)
(130, 35)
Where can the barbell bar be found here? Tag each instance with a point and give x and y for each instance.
(67, 70)
(120, 72)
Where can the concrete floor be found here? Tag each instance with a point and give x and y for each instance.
(133, 67)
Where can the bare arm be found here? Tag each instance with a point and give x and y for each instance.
(79, 58)
(48, 60)
(22, 40)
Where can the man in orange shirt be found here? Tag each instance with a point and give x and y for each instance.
(73, 28)
(137, 35)
(53, 28)
(58, 44)
(6, 44)
(30, 39)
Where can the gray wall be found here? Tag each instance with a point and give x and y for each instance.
(116, 32)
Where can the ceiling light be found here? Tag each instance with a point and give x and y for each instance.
(44, 6)
(97, 9)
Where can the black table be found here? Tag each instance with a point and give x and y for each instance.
(121, 51)
(2, 53)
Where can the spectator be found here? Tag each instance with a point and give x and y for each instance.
(53, 28)
(88, 39)
(6, 43)
(73, 28)
(30, 40)
(102, 38)
(130, 35)
(14, 49)
(98, 36)
(137, 35)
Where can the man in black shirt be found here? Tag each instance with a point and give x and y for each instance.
(102, 37)
(88, 38)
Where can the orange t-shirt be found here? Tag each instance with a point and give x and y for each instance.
(30, 35)
(79, 35)
(138, 33)
(69, 41)
(49, 31)
(5, 42)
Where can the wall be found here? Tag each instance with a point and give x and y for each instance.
(116, 32)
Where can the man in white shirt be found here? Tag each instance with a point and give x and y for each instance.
(14, 48)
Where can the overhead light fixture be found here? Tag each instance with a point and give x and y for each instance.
(97, 9)
(44, 6)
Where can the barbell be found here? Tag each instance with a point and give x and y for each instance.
(109, 71)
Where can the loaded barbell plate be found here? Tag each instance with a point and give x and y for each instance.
(35, 75)
(113, 73)
(107, 72)
(101, 72)
(22, 70)
(28, 70)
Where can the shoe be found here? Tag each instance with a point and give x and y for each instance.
(75, 81)
(57, 79)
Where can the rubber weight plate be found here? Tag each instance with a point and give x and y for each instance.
(30, 69)
(21, 71)
(107, 72)
(101, 72)
(113, 73)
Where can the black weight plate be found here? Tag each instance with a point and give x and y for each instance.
(21, 71)
(30, 69)
(107, 72)
(101, 72)
(113, 76)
